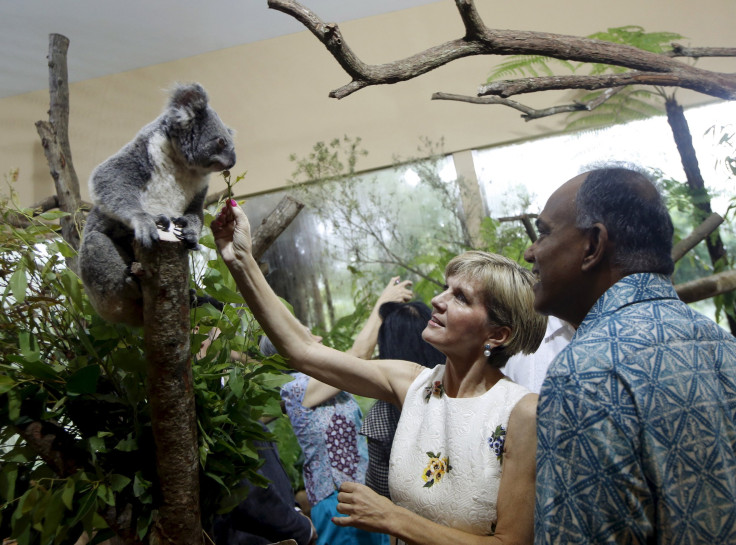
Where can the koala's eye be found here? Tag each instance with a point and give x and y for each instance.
(221, 142)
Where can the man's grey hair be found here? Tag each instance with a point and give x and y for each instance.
(626, 200)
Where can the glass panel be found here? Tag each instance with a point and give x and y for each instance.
(510, 174)
(384, 218)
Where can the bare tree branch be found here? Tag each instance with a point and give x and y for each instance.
(647, 68)
(705, 288)
(274, 224)
(528, 113)
(19, 219)
(679, 50)
(54, 135)
(710, 224)
(507, 88)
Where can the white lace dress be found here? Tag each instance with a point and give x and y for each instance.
(447, 454)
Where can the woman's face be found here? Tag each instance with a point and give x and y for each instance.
(459, 323)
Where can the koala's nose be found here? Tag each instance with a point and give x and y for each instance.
(230, 156)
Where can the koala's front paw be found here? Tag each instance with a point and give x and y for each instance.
(186, 233)
(144, 227)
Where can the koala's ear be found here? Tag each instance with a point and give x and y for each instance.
(187, 101)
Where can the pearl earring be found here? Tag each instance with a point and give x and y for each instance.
(487, 350)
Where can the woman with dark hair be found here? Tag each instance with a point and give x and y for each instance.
(326, 421)
(462, 465)
(399, 338)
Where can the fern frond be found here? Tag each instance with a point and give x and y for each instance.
(527, 66)
(656, 42)
(629, 105)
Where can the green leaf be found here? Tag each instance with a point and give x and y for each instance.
(29, 347)
(18, 284)
(96, 444)
(118, 482)
(106, 494)
(143, 523)
(14, 402)
(140, 485)
(84, 381)
(236, 383)
(67, 495)
(88, 502)
(127, 445)
(53, 514)
(8, 477)
(6, 383)
(52, 215)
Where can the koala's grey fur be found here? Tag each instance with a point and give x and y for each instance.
(160, 177)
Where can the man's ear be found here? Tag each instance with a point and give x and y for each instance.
(597, 246)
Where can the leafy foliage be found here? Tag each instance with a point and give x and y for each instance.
(65, 372)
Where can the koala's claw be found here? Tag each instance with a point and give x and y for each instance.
(186, 234)
(163, 222)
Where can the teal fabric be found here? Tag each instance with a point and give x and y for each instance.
(331, 534)
(637, 425)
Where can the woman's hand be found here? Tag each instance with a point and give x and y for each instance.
(365, 509)
(396, 291)
(232, 232)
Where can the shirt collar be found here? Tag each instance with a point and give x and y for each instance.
(631, 289)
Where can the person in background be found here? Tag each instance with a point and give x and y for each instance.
(637, 419)
(326, 421)
(529, 370)
(267, 515)
(462, 422)
(399, 338)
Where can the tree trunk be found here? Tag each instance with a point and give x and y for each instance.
(701, 200)
(166, 336)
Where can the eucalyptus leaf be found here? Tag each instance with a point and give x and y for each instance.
(6, 383)
(18, 283)
(83, 381)
(67, 495)
(118, 482)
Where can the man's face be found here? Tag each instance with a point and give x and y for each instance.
(557, 256)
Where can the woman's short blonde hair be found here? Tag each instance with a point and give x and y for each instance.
(508, 298)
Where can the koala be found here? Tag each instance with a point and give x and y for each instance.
(158, 179)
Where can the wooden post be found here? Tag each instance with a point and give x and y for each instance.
(166, 336)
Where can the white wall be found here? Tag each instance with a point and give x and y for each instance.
(274, 92)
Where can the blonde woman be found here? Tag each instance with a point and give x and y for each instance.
(462, 465)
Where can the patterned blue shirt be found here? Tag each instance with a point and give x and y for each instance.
(637, 425)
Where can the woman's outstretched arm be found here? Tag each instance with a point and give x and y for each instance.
(384, 379)
(318, 392)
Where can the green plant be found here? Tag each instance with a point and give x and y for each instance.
(76, 448)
